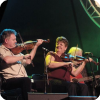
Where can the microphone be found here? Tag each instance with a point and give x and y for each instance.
(45, 49)
(87, 53)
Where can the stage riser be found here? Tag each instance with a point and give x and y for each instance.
(82, 98)
(47, 96)
(53, 96)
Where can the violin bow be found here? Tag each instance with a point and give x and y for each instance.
(24, 46)
(75, 50)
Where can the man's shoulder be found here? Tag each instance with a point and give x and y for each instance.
(1, 47)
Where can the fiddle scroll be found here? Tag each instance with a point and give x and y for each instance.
(28, 45)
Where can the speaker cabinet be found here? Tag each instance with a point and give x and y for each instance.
(82, 97)
(47, 96)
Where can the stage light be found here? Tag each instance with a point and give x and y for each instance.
(97, 2)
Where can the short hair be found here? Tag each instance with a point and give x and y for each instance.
(62, 39)
(6, 33)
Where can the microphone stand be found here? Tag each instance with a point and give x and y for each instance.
(94, 80)
(45, 72)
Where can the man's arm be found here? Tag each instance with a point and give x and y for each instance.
(13, 59)
(33, 52)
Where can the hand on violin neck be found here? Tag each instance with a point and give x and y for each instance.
(89, 60)
(39, 42)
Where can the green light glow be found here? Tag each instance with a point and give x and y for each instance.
(91, 14)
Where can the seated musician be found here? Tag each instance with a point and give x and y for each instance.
(59, 71)
(12, 65)
(75, 51)
(82, 76)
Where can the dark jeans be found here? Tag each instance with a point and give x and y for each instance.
(73, 89)
(23, 82)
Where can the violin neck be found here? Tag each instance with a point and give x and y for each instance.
(30, 42)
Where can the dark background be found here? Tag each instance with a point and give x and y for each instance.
(48, 19)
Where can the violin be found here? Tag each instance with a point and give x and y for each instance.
(28, 45)
(68, 57)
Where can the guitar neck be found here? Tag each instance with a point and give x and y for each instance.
(88, 78)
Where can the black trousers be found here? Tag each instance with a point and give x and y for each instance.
(23, 82)
(73, 89)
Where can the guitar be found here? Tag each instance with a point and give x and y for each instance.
(75, 79)
(80, 80)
